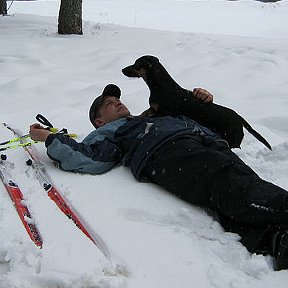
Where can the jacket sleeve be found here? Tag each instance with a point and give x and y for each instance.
(96, 158)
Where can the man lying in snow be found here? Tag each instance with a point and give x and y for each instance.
(185, 158)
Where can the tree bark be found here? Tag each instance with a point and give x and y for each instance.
(3, 7)
(70, 17)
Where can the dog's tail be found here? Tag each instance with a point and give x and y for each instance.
(256, 134)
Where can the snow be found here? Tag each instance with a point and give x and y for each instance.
(235, 49)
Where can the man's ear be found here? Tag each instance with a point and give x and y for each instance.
(99, 122)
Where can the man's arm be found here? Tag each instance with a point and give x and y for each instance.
(70, 155)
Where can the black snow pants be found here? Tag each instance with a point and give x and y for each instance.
(206, 172)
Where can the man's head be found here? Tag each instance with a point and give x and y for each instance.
(107, 107)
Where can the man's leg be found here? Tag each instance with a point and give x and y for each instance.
(208, 173)
(237, 191)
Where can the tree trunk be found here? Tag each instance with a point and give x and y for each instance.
(3, 7)
(70, 17)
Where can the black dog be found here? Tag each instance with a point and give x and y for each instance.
(168, 98)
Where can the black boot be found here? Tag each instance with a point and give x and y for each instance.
(280, 249)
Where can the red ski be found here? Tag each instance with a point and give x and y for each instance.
(19, 203)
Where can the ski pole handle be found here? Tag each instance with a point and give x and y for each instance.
(43, 120)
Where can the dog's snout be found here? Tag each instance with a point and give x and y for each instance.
(130, 71)
(126, 71)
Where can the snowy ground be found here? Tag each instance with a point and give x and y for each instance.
(237, 50)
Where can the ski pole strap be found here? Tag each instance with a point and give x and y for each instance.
(53, 130)
(43, 120)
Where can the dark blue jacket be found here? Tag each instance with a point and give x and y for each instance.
(129, 142)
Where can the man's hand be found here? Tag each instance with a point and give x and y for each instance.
(38, 132)
(203, 95)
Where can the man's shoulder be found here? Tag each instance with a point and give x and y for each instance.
(108, 130)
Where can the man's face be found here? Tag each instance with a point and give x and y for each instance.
(110, 110)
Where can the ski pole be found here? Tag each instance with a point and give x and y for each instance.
(18, 139)
(18, 145)
(14, 140)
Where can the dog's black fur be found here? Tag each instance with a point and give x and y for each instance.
(168, 98)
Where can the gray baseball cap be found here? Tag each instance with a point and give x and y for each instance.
(109, 90)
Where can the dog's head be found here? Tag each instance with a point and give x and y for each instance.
(141, 66)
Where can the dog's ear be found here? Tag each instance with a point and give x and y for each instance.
(153, 61)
